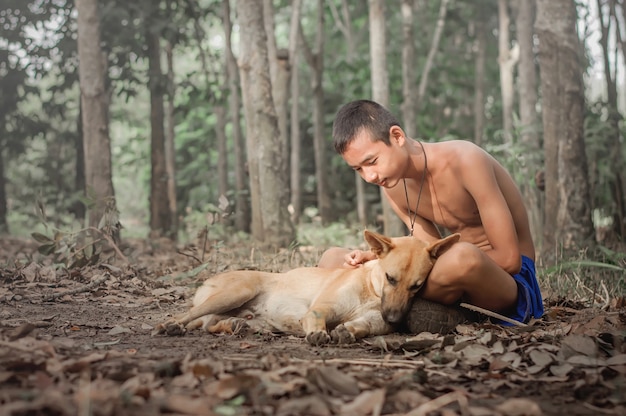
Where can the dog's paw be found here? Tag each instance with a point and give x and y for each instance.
(341, 335)
(158, 330)
(318, 338)
(171, 328)
(231, 325)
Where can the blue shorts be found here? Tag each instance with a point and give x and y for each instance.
(529, 301)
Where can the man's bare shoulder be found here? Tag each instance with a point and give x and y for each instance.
(459, 154)
(458, 146)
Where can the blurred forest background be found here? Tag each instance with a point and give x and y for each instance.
(175, 116)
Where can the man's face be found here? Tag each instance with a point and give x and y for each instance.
(375, 161)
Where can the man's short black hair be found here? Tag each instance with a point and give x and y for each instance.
(362, 114)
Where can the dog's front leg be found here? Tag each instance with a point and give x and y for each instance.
(361, 327)
(314, 326)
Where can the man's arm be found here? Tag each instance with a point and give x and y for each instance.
(477, 172)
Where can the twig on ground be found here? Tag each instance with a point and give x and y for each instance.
(607, 300)
(206, 237)
(151, 282)
(112, 243)
(86, 288)
(438, 403)
(366, 361)
(16, 346)
(493, 314)
(189, 255)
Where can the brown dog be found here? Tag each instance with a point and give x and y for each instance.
(309, 301)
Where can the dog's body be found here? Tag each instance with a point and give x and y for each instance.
(309, 301)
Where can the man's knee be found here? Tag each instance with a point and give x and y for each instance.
(333, 257)
(461, 259)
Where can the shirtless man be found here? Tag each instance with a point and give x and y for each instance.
(456, 185)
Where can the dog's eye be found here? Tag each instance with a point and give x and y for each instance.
(392, 281)
(415, 287)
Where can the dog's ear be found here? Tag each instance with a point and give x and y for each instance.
(379, 244)
(439, 247)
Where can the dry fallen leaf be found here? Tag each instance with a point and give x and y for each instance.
(187, 405)
(331, 380)
(368, 402)
(116, 330)
(519, 407)
(308, 405)
(578, 344)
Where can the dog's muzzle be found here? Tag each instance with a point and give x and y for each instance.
(393, 316)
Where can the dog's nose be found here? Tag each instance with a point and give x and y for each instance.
(393, 316)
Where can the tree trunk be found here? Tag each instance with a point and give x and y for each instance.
(408, 68)
(222, 149)
(170, 140)
(568, 215)
(319, 137)
(271, 224)
(344, 23)
(529, 128)
(280, 74)
(242, 200)
(507, 59)
(79, 210)
(393, 226)
(295, 173)
(430, 59)
(480, 61)
(614, 119)
(160, 218)
(94, 101)
(620, 185)
(316, 62)
(4, 227)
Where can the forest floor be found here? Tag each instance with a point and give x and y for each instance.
(79, 342)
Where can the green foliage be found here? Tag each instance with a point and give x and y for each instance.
(209, 222)
(69, 249)
(335, 234)
(599, 145)
(594, 278)
(39, 105)
(75, 249)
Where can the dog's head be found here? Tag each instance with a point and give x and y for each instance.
(405, 263)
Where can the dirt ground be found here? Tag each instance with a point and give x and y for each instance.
(78, 342)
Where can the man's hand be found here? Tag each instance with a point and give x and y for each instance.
(357, 257)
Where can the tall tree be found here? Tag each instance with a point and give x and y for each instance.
(343, 21)
(295, 173)
(160, 215)
(170, 140)
(432, 52)
(568, 214)
(529, 137)
(242, 202)
(380, 93)
(614, 117)
(95, 113)
(480, 61)
(269, 190)
(507, 59)
(280, 72)
(315, 59)
(408, 68)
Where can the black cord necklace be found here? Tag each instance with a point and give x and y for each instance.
(413, 218)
